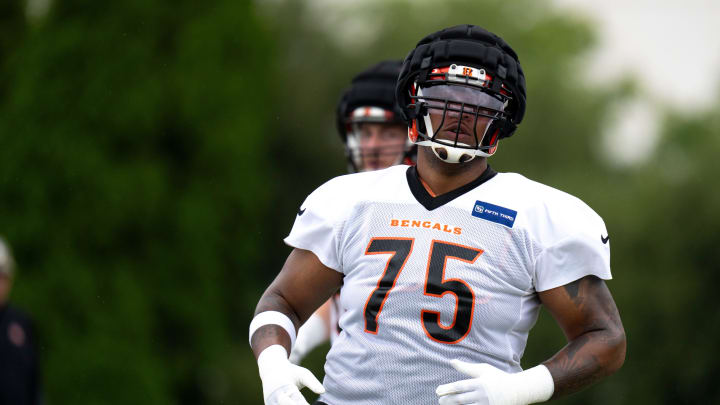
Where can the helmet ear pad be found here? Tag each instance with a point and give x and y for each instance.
(416, 121)
(492, 136)
(413, 131)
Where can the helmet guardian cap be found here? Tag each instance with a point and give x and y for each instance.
(473, 80)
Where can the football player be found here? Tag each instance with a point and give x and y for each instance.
(20, 380)
(444, 265)
(370, 122)
(374, 133)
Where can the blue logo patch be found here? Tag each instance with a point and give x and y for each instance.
(494, 213)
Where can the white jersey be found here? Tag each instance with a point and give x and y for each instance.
(429, 279)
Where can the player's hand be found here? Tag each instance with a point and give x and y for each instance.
(476, 390)
(282, 380)
(491, 386)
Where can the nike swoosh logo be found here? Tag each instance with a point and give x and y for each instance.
(604, 239)
(301, 211)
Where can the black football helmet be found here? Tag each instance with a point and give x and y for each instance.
(468, 72)
(371, 99)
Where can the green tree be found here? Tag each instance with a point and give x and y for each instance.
(667, 241)
(153, 154)
(131, 171)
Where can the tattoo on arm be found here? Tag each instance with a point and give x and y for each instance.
(572, 289)
(596, 339)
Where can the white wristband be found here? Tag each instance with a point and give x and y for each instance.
(273, 318)
(538, 385)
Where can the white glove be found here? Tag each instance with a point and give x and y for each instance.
(312, 334)
(492, 386)
(282, 380)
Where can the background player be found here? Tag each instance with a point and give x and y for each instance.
(370, 122)
(19, 365)
(374, 133)
(445, 260)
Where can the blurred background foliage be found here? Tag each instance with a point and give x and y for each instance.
(153, 155)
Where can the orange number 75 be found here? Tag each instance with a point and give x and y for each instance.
(436, 285)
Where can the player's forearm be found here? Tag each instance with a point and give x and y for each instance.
(586, 359)
(288, 302)
(271, 334)
(587, 313)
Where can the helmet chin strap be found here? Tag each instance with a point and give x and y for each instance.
(449, 154)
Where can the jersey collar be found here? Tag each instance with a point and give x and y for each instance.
(429, 202)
